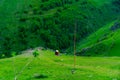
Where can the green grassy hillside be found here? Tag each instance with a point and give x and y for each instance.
(40, 26)
(26, 24)
(104, 42)
(47, 66)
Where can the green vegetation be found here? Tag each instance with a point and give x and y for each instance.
(47, 66)
(104, 42)
(32, 23)
(31, 29)
(36, 53)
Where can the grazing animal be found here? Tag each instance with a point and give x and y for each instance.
(56, 52)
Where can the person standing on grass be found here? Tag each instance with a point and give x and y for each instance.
(57, 53)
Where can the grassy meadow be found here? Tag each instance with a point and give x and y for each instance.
(47, 66)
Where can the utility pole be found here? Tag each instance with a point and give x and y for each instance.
(75, 44)
(75, 28)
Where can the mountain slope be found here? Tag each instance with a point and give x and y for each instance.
(26, 24)
(104, 42)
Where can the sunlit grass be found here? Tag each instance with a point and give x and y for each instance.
(50, 67)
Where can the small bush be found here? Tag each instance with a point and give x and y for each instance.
(35, 53)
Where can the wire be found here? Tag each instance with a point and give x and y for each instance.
(14, 68)
(20, 72)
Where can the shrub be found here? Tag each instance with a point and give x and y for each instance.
(35, 53)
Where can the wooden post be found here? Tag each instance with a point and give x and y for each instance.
(75, 44)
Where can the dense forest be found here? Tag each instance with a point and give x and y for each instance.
(50, 23)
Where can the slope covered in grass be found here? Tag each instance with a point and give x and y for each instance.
(28, 24)
(47, 66)
(104, 42)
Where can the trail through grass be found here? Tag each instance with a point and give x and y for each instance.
(50, 67)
